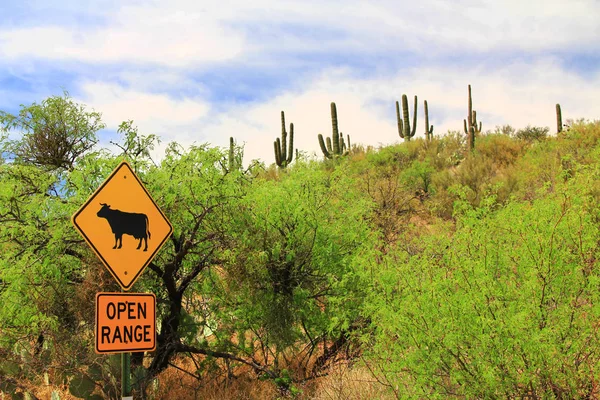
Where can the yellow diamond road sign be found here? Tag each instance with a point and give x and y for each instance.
(123, 225)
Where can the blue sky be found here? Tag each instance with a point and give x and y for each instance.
(202, 71)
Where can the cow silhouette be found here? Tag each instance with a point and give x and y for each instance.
(134, 224)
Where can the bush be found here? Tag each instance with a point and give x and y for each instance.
(508, 307)
(504, 130)
(54, 134)
(532, 133)
(501, 149)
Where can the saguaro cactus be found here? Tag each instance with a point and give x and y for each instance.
(336, 145)
(234, 159)
(231, 152)
(471, 128)
(559, 124)
(428, 129)
(283, 154)
(404, 129)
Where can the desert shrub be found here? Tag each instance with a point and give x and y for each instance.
(532, 133)
(383, 179)
(442, 152)
(449, 150)
(580, 140)
(553, 160)
(418, 177)
(397, 156)
(479, 173)
(507, 307)
(507, 184)
(441, 204)
(501, 149)
(476, 173)
(504, 130)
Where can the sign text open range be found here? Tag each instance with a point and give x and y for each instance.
(125, 322)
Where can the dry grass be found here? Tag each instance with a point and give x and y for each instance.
(350, 383)
(343, 382)
(42, 393)
(180, 384)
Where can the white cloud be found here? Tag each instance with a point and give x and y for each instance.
(519, 94)
(152, 113)
(154, 49)
(186, 32)
(137, 35)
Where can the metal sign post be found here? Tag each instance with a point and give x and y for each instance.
(126, 376)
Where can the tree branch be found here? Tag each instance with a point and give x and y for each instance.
(180, 348)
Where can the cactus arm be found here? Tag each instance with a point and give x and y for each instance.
(336, 135)
(231, 152)
(349, 146)
(477, 128)
(283, 147)
(276, 145)
(323, 148)
(426, 110)
(426, 119)
(291, 148)
(414, 127)
(469, 115)
(405, 117)
(400, 127)
(428, 128)
(559, 125)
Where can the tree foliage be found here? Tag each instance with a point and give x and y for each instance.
(445, 276)
(53, 134)
(506, 310)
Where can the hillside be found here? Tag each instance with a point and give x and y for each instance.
(417, 270)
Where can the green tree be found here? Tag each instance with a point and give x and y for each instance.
(291, 282)
(503, 308)
(53, 134)
(50, 276)
(532, 133)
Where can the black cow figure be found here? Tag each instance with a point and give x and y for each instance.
(134, 224)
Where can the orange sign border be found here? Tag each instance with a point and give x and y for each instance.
(123, 163)
(97, 330)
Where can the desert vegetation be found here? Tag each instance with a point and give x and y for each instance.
(460, 265)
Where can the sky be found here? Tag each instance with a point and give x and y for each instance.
(197, 71)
